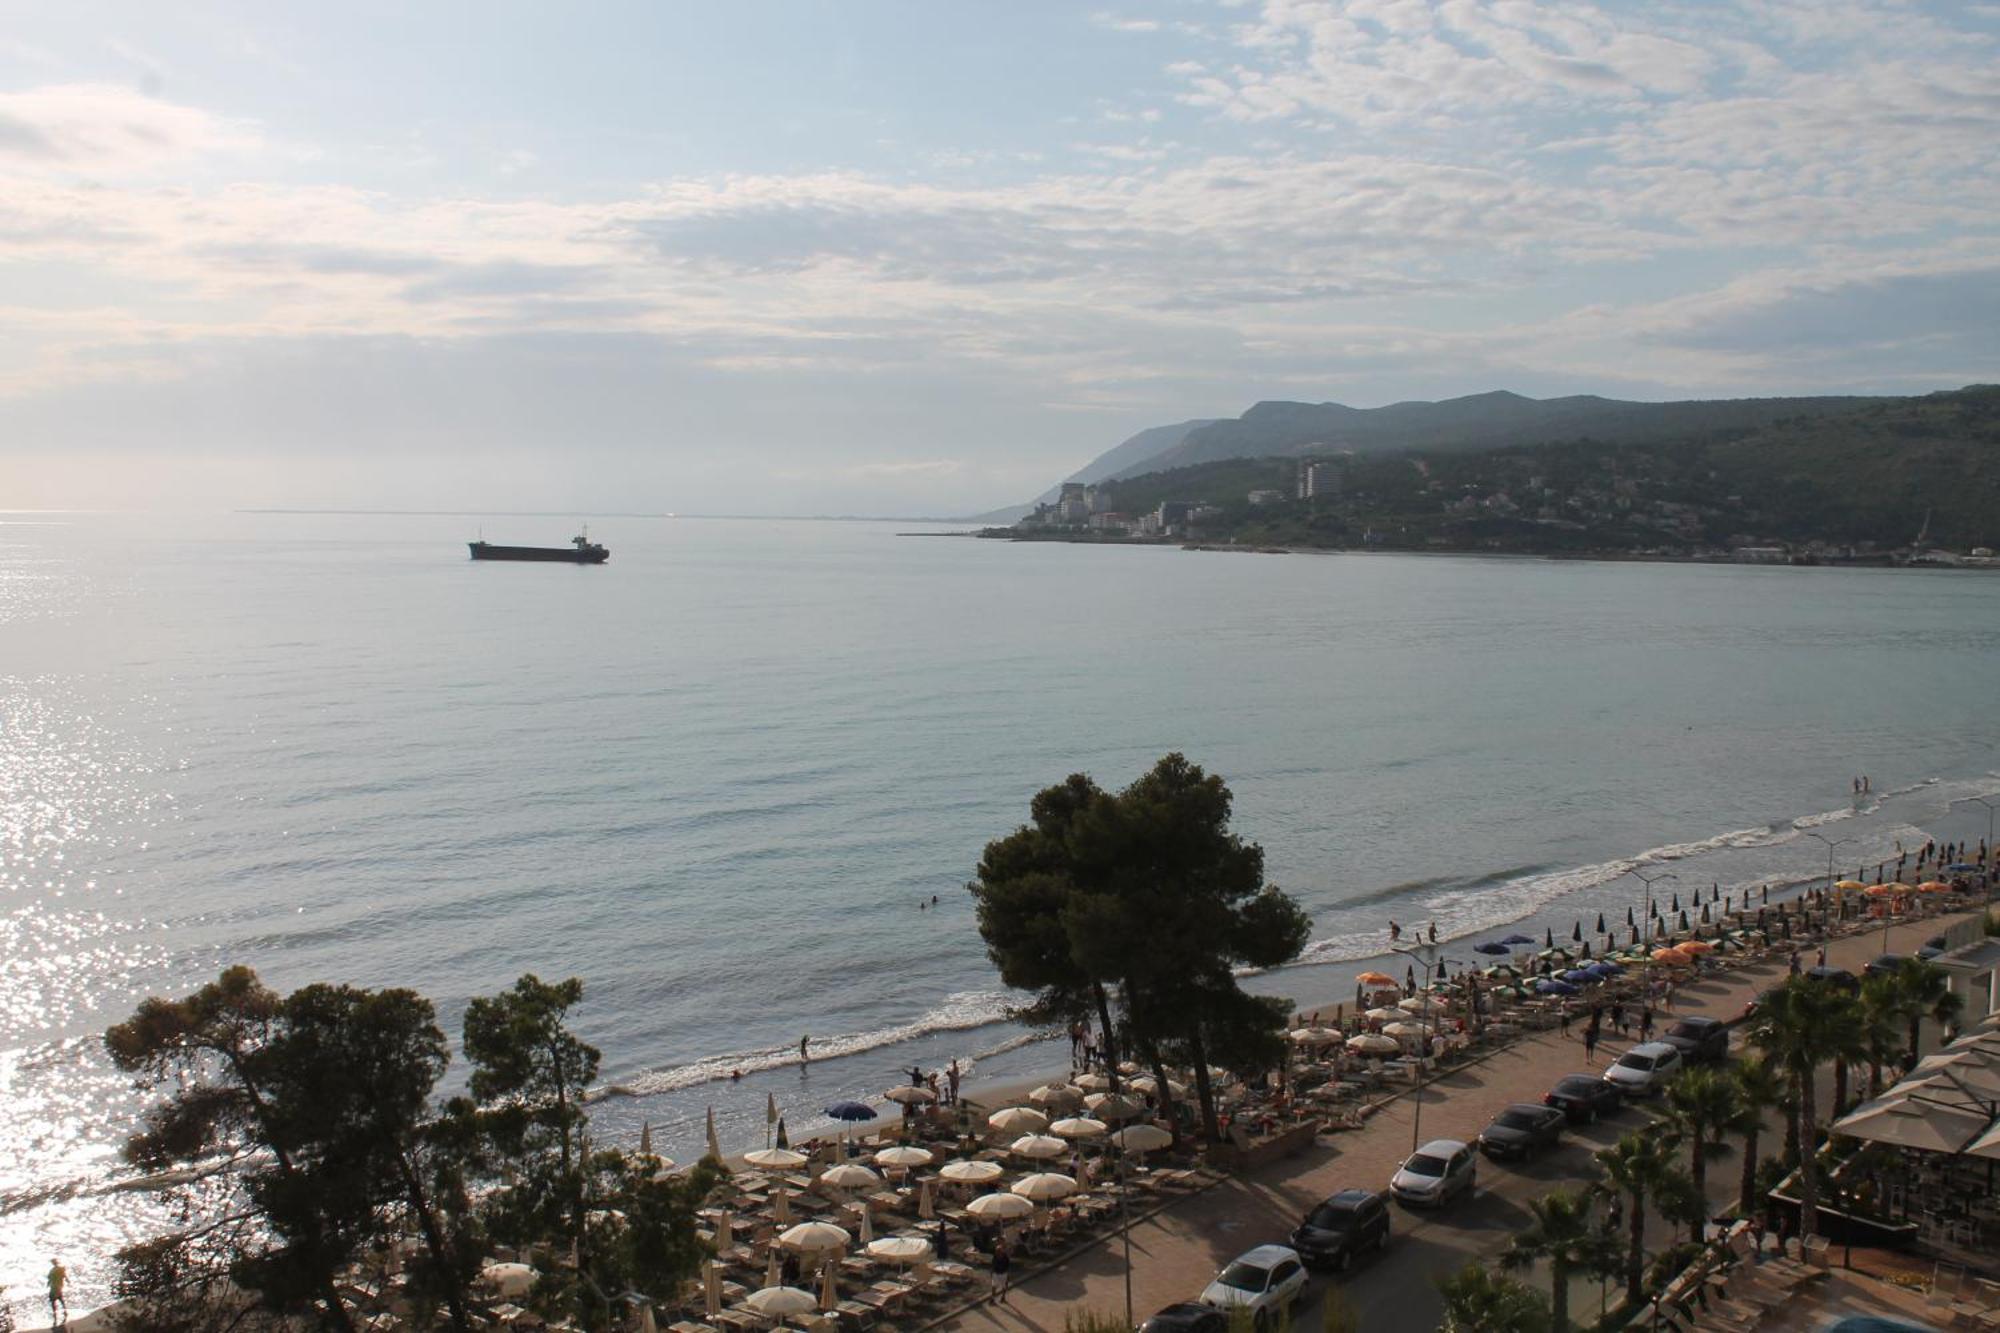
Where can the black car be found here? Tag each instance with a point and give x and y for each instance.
(1584, 1097)
(1347, 1224)
(1187, 1317)
(1522, 1130)
(1699, 1040)
(1884, 966)
(1836, 976)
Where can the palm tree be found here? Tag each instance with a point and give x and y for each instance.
(1640, 1165)
(1562, 1234)
(1701, 1106)
(1759, 1088)
(1476, 1301)
(1803, 1024)
(1927, 993)
(1882, 1018)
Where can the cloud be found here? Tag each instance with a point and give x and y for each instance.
(103, 128)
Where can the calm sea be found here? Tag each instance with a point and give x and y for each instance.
(719, 777)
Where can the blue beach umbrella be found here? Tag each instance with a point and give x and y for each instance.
(1606, 968)
(1550, 986)
(1491, 947)
(1581, 976)
(850, 1111)
(1518, 939)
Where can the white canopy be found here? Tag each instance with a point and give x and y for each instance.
(781, 1301)
(814, 1238)
(1143, 1138)
(1018, 1120)
(1000, 1207)
(900, 1249)
(1045, 1186)
(849, 1176)
(971, 1171)
(1038, 1145)
(1080, 1127)
(904, 1155)
(781, 1159)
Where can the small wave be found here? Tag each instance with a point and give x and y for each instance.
(1835, 816)
(960, 1012)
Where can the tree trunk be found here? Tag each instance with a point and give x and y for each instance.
(1746, 1198)
(1108, 1044)
(435, 1242)
(1916, 1037)
(1808, 1161)
(1698, 1172)
(1203, 1089)
(1559, 1296)
(1839, 1087)
(1159, 1067)
(1635, 1254)
(1792, 1127)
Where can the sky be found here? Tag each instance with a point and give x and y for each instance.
(876, 258)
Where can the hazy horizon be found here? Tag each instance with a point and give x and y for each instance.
(863, 260)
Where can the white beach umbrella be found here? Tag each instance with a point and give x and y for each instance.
(1373, 1043)
(1044, 1186)
(900, 1249)
(776, 1159)
(1080, 1127)
(1127, 1067)
(814, 1238)
(1314, 1036)
(850, 1176)
(1915, 1123)
(1384, 1015)
(1421, 1004)
(1113, 1106)
(1987, 1144)
(1147, 1083)
(1092, 1082)
(1143, 1138)
(971, 1172)
(509, 1281)
(1000, 1207)
(780, 1302)
(1057, 1096)
(1040, 1146)
(1018, 1120)
(1403, 1029)
(910, 1095)
(904, 1156)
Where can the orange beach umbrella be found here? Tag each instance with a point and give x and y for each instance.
(1376, 979)
(1694, 946)
(1672, 957)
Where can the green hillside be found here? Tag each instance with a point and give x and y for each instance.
(1866, 476)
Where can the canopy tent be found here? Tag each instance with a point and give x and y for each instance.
(1949, 1103)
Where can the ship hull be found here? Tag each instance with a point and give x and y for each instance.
(565, 555)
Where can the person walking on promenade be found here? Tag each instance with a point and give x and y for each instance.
(58, 1279)
(1590, 1045)
(1646, 1023)
(1002, 1262)
(1563, 1015)
(1793, 966)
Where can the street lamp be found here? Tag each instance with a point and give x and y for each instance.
(1646, 908)
(1831, 843)
(1428, 955)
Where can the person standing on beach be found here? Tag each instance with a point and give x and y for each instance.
(951, 1080)
(58, 1279)
(1002, 1262)
(1395, 932)
(1563, 1015)
(802, 1047)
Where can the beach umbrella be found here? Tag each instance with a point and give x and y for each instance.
(1057, 1096)
(814, 1238)
(1517, 939)
(1548, 938)
(1143, 1138)
(1677, 902)
(1403, 1030)
(1714, 891)
(509, 1281)
(1635, 934)
(1581, 976)
(1600, 923)
(773, 1275)
(725, 1229)
(1491, 947)
(780, 1302)
(1673, 957)
(1146, 1083)
(1044, 1186)
(1000, 1207)
(908, 1095)
(971, 1171)
(851, 1112)
(780, 1159)
(1127, 1067)
(1410, 977)
(781, 1139)
(1018, 1120)
(867, 1226)
(1040, 1146)
(1385, 1014)
(1704, 914)
(1628, 918)
(1576, 933)
(781, 1205)
(1113, 1106)
(1606, 968)
(1694, 946)
(646, 1138)
(1080, 1127)
(711, 1287)
(1312, 1036)
(1684, 918)
(1373, 1043)
(848, 1176)
(900, 1249)
(927, 1200)
(1376, 979)
(904, 1157)
(1550, 986)
(1092, 1082)
(1586, 948)
(829, 1287)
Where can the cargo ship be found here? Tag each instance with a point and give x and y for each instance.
(580, 551)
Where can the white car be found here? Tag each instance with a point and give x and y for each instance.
(1645, 1069)
(1265, 1281)
(1434, 1174)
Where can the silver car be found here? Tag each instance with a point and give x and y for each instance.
(1435, 1174)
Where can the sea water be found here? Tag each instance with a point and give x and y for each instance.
(722, 777)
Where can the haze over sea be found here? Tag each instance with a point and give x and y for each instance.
(716, 777)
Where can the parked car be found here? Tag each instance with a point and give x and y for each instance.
(1699, 1040)
(1187, 1317)
(1434, 1174)
(1264, 1281)
(1522, 1130)
(1644, 1070)
(1584, 1097)
(1345, 1225)
(1883, 966)
(1756, 1003)
(1836, 976)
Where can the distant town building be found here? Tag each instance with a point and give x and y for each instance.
(1319, 479)
(1073, 504)
(1266, 497)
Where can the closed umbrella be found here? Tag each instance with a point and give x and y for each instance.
(1143, 1138)
(1080, 1127)
(781, 1205)
(814, 1238)
(1044, 1186)
(773, 1275)
(867, 1225)
(829, 1287)
(1000, 1207)
(1018, 1120)
(904, 1157)
(711, 1287)
(1039, 1146)
(971, 1172)
(927, 1200)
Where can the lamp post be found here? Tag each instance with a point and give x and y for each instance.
(1646, 908)
(1831, 843)
(1428, 955)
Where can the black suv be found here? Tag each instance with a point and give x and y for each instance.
(1347, 1224)
(1699, 1040)
(1187, 1317)
(1584, 1097)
